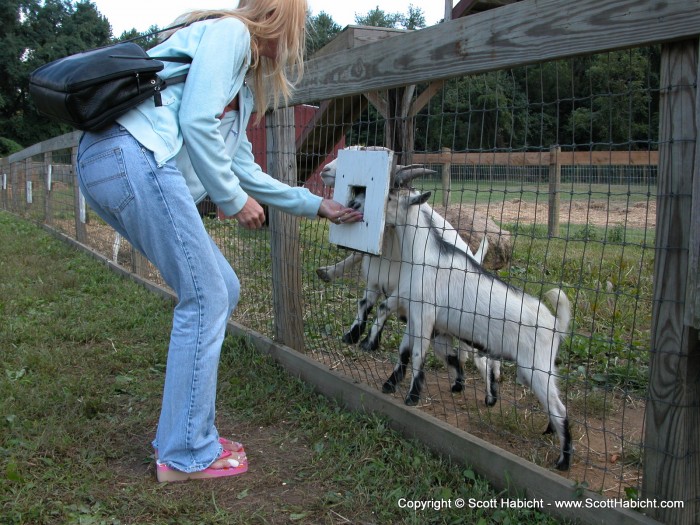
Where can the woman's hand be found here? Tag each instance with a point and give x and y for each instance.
(338, 213)
(252, 215)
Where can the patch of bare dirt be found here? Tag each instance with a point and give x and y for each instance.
(606, 436)
(595, 212)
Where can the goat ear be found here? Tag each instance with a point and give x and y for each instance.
(420, 199)
(405, 174)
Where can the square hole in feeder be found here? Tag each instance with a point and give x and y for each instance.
(354, 193)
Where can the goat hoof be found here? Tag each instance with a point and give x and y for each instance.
(350, 338)
(492, 395)
(388, 388)
(562, 464)
(412, 400)
(457, 387)
(367, 346)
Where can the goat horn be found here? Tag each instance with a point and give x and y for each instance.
(405, 174)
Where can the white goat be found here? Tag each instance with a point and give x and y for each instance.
(376, 270)
(444, 292)
(381, 275)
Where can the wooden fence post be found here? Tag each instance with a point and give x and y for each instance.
(139, 263)
(672, 439)
(554, 191)
(446, 177)
(78, 203)
(48, 176)
(284, 234)
(28, 189)
(4, 168)
(14, 187)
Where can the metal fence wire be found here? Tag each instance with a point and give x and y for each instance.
(556, 163)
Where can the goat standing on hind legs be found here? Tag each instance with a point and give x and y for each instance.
(381, 274)
(377, 271)
(445, 292)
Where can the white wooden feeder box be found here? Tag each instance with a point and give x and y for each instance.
(368, 172)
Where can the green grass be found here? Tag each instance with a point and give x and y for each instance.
(83, 365)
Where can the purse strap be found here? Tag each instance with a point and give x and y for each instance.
(181, 60)
(156, 32)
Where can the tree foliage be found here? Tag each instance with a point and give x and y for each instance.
(33, 33)
(586, 103)
(413, 19)
(320, 30)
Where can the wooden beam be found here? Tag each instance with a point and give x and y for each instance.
(61, 142)
(79, 206)
(692, 310)
(379, 102)
(465, 7)
(672, 440)
(526, 32)
(448, 11)
(356, 36)
(554, 191)
(541, 158)
(427, 94)
(284, 234)
(462, 8)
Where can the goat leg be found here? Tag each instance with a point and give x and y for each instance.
(329, 273)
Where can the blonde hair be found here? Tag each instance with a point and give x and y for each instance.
(283, 20)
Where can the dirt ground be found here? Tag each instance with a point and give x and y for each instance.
(606, 441)
(595, 212)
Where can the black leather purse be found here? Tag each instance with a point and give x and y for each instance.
(90, 90)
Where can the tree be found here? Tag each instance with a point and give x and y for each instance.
(414, 19)
(378, 18)
(321, 29)
(585, 103)
(12, 46)
(32, 34)
(618, 108)
(146, 42)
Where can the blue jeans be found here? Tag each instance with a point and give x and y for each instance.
(151, 207)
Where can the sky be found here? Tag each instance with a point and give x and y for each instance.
(141, 14)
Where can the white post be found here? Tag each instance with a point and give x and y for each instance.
(81, 207)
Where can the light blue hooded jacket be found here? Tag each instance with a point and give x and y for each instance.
(213, 153)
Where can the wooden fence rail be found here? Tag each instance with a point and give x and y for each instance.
(540, 158)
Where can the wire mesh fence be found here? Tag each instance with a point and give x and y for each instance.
(579, 135)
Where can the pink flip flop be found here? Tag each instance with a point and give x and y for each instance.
(236, 446)
(234, 468)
